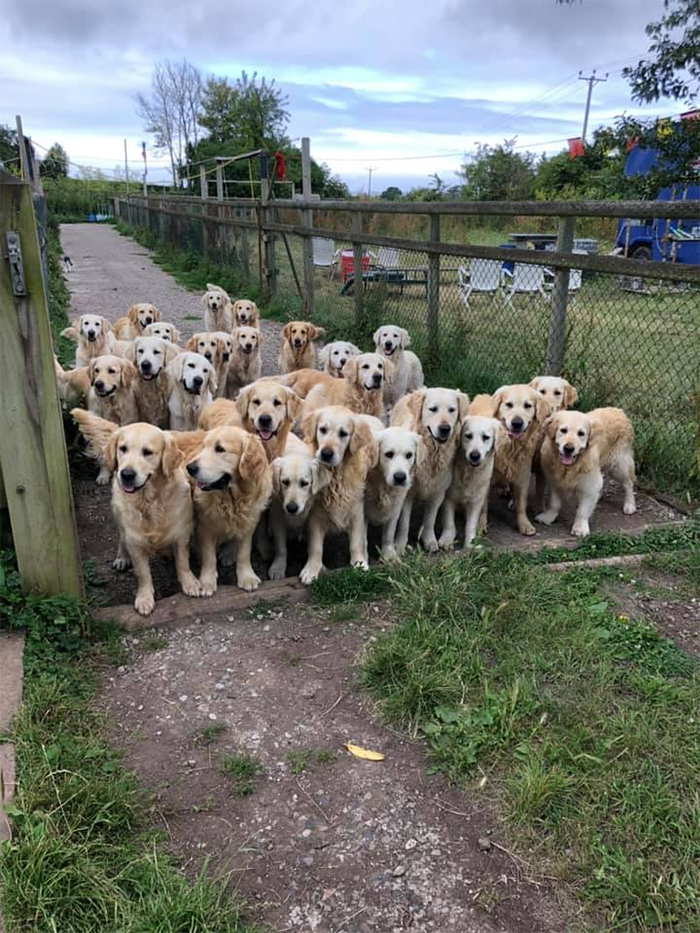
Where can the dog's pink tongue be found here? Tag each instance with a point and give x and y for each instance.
(265, 435)
(566, 459)
(147, 376)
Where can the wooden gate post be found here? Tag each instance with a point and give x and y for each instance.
(307, 221)
(358, 288)
(33, 451)
(560, 294)
(433, 289)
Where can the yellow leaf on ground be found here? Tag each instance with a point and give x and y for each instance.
(359, 752)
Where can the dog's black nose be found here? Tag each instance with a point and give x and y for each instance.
(326, 455)
(297, 342)
(197, 380)
(192, 469)
(149, 320)
(388, 344)
(376, 379)
(342, 363)
(569, 449)
(99, 385)
(127, 475)
(517, 424)
(91, 334)
(474, 456)
(444, 430)
(146, 366)
(292, 508)
(265, 421)
(249, 346)
(226, 357)
(208, 355)
(400, 478)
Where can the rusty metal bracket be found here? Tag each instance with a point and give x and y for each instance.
(14, 257)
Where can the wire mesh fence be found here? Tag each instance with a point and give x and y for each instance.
(631, 341)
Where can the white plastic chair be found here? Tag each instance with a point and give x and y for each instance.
(527, 280)
(483, 277)
(576, 275)
(387, 257)
(325, 253)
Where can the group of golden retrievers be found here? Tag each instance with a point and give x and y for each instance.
(194, 438)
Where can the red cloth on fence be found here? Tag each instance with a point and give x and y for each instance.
(575, 147)
(280, 169)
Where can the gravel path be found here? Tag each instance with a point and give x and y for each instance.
(111, 272)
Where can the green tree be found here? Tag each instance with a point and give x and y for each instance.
(392, 193)
(597, 174)
(673, 68)
(55, 162)
(9, 150)
(251, 112)
(498, 173)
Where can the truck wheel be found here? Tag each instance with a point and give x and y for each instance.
(642, 253)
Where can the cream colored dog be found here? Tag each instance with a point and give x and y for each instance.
(192, 386)
(345, 445)
(407, 375)
(389, 482)
(163, 329)
(233, 486)
(269, 410)
(298, 350)
(434, 415)
(137, 319)
(557, 392)
(361, 389)
(471, 477)
(335, 355)
(94, 337)
(577, 452)
(217, 347)
(111, 395)
(246, 365)
(152, 506)
(297, 479)
(150, 356)
(218, 313)
(245, 313)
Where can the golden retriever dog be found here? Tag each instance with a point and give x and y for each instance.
(298, 350)
(471, 477)
(192, 386)
(361, 389)
(346, 446)
(73, 384)
(335, 355)
(297, 479)
(434, 414)
(152, 506)
(151, 356)
(217, 347)
(163, 329)
(407, 375)
(557, 392)
(302, 381)
(218, 413)
(245, 313)
(522, 411)
(218, 312)
(269, 410)
(245, 366)
(389, 481)
(137, 319)
(94, 337)
(578, 451)
(233, 486)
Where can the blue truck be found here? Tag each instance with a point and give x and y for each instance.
(659, 239)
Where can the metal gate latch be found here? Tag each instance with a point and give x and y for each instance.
(14, 255)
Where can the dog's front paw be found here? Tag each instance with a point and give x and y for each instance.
(446, 542)
(145, 602)
(121, 564)
(310, 573)
(278, 570)
(546, 518)
(389, 554)
(191, 586)
(430, 544)
(249, 580)
(360, 564)
(207, 585)
(581, 529)
(526, 528)
(103, 477)
(629, 508)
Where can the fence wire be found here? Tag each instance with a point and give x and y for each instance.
(631, 342)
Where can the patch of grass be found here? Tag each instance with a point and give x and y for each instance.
(243, 770)
(324, 756)
(58, 296)
(81, 857)
(344, 612)
(611, 544)
(208, 804)
(299, 760)
(583, 723)
(155, 643)
(209, 733)
(350, 584)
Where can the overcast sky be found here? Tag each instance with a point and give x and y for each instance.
(406, 86)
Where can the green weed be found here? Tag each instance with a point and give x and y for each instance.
(242, 769)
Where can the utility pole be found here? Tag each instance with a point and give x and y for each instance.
(126, 169)
(370, 169)
(592, 81)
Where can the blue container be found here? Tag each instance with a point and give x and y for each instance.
(507, 266)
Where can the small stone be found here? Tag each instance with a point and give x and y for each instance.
(308, 860)
(484, 844)
(212, 715)
(309, 692)
(191, 762)
(197, 621)
(229, 618)
(183, 698)
(411, 844)
(121, 669)
(399, 871)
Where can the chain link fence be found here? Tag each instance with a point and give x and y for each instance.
(478, 322)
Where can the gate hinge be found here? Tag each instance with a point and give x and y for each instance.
(14, 256)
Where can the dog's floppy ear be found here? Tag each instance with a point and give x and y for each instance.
(213, 381)
(349, 371)
(171, 352)
(287, 331)
(497, 399)
(315, 332)
(77, 323)
(128, 374)
(320, 476)
(242, 402)
(276, 470)
(156, 313)
(462, 405)
(295, 405)
(171, 456)
(132, 314)
(253, 463)
(106, 325)
(405, 337)
(205, 297)
(570, 395)
(110, 452)
(130, 352)
(542, 409)
(375, 336)
(91, 368)
(261, 339)
(174, 334)
(550, 425)
(324, 355)
(412, 405)
(363, 439)
(308, 427)
(175, 367)
(535, 383)
(191, 344)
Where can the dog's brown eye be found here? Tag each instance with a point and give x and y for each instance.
(110, 371)
(277, 403)
(323, 430)
(140, 351)
(527, 405)
(389, 454)
(365, 365)
(542, 392)
(219, 449)
(485, 437)
(303, 483)
(190, 365)
(256, 401)
(342, 434)
(409, 455)
(156, 352)
(563, 430)
(433, 409)
(469, 436)
(146, 452)
(451, 411)
(581, 433)
(123, 449)
(285, 482)
(557, 392)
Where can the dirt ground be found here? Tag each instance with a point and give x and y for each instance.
(325, 842)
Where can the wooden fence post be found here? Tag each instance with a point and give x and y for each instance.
(556, 341)
(268, 239)
(204, 193)
(433, 289)
(307, 221)
(358, 281)
(33, 452)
